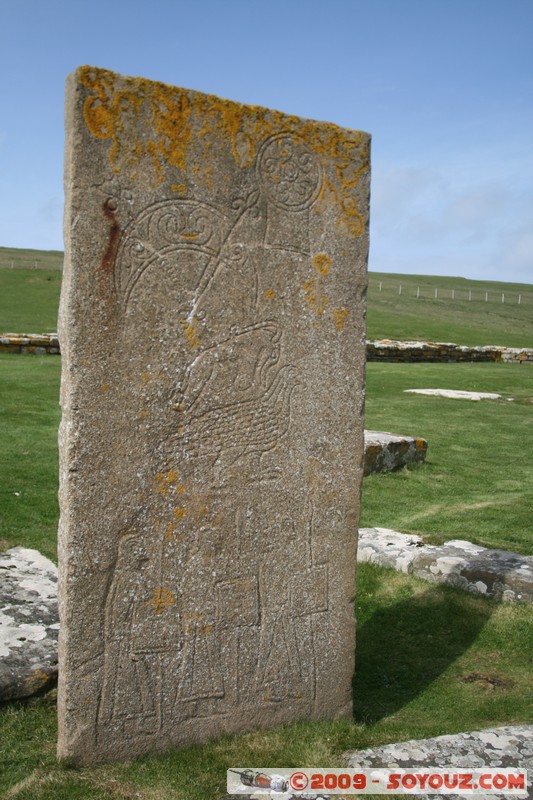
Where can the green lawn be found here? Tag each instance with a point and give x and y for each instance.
(29, 299)
(477, 482)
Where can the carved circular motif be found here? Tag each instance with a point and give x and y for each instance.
(289, 172)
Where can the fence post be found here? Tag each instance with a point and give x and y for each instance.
(400, 289)
(453, 294)
(380, 286)
(519, 299)
(503, 297)
(470, 294)
(436, 293)
(417, 292)
(486, 297)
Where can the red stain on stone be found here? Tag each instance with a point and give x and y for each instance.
(108, 260)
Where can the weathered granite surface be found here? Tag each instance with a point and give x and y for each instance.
(211, 445)
(385, 452)
(508, 747)
(28, 623)
(455, 394)
(494, 573)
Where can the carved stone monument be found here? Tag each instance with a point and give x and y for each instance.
(213, 340)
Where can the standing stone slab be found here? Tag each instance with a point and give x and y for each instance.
(212, 331)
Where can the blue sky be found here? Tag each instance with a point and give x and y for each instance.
(445, 87)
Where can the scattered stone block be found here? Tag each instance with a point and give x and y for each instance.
(385, 452)
(455, 394)
(212, 332)
(509, 746)
(494, 573)
(29, 623)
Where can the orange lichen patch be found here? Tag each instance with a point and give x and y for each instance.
(420, 444)
(180, 512)
(104, 388)
(323, 263)
(269, 294)
(151, 121)
(113, 108)
(161, 599)
(339, 316)
(190, 330)
(39, 676)
(179, 187)
(167, 482)
(316, 298)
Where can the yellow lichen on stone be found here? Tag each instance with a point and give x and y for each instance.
(316, 298)
(190, 330)
(323, 263)
(269, 294)
(339, 316)
(165, 482)
(161, 599)
(149, 120)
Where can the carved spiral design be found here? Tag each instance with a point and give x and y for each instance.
(289, 173)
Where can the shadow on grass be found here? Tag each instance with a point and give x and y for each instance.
(404, 647)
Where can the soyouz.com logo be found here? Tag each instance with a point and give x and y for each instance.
(312, 784)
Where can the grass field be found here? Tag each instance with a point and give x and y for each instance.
(443, 319)
(29, 300)
(18, 258)
(430, 659)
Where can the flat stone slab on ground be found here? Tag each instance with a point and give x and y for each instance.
(456, 394)
(213, 353)
(507, 747)
(494, 573)
(29, 623)
(385, 452)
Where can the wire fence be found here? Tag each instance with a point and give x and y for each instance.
(31, 263)
(476, 295)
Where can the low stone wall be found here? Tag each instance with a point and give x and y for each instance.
(447, 352)
(38, 343)
(379, 350)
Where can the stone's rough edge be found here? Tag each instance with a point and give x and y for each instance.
(67, 425)
(509, 746)
(494, 573)
(381, 350)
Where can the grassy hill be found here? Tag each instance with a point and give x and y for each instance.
(463, 311)
(427, 307)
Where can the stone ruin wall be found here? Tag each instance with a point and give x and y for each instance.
(379, 350)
